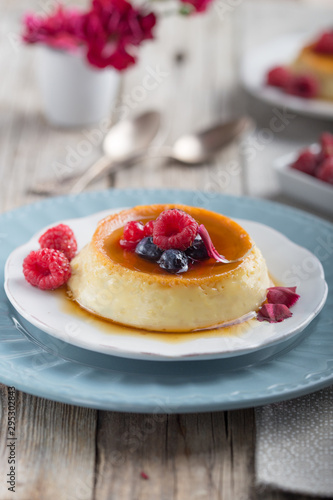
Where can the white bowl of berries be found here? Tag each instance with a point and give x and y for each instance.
(307, 175)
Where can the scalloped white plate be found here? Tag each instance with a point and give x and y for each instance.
(282, 50)
(47, 310)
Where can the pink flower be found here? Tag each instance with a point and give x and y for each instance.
(113, 28)
(199, 5)
(109, 54)
(110, 31)
(61, 30)
(120, 18)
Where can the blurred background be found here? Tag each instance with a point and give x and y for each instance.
(196, 60)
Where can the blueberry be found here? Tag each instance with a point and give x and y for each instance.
(197, 251)
(148, 250)
(174, 261)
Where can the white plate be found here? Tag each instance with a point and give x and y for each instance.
(288, 262)
(278, 52)
(301, 186)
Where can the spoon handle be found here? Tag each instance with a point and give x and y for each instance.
(102, 165)
(105, 166)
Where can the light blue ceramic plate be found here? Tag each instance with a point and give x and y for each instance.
(38, 364)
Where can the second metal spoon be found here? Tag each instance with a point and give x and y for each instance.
(196, 148)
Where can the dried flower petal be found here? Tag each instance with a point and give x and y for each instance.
(282, 295)
(273, 313)
(212, 252)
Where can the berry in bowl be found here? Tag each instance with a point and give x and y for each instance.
(308, 175)
(318, 160)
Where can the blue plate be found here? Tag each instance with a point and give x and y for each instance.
(33, 362)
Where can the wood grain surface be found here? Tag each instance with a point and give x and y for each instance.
(70, 453)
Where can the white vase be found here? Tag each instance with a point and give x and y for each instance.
(73, 92)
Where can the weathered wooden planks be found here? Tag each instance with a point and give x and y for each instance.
(184, 456)
(55, 450)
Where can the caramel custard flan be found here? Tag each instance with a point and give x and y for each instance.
(115, 283)
(318, 65)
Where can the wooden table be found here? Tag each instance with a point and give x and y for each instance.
(69, 452)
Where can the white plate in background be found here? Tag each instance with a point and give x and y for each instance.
(278, 52)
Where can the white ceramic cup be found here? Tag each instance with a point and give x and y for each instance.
(73, 92)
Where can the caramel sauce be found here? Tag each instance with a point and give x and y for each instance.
(228, 237)
(71, 307)
(322, 62)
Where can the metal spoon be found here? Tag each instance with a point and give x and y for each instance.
(196, 148)
(124, 143)
(189, 149)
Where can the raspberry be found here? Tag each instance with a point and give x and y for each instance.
(306, 162)
(133, 231)
(60, 238)
(325, 43)
(149, 227)
(325, 171)
(279, 77)
(46, 269)
(305, 86)
(174, 229)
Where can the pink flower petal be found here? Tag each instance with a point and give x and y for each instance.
(273, 313)
(212, 252)
(282, 295)
(61, 29)
(199, 5)
(111, 31)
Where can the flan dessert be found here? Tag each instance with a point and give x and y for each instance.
(316, 60)
(120, 283)
(310, 75)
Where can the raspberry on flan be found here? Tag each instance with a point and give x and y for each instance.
(119, 285)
